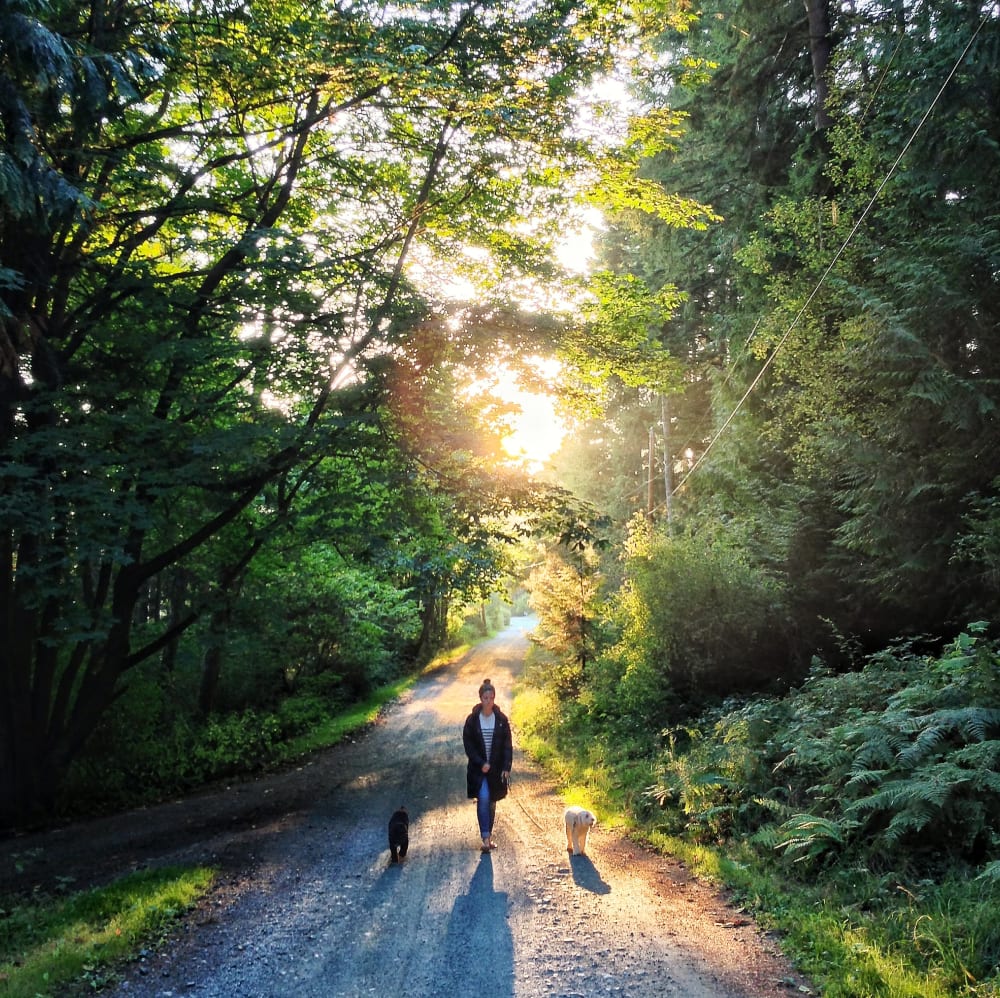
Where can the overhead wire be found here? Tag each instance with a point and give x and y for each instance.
(833, 262)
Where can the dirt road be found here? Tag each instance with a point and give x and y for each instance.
(310, 906)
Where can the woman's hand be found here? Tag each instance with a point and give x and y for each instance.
(486, 767)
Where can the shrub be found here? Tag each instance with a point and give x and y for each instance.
(898, 763)
(690, 613)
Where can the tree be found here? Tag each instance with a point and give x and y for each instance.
(565, 590)
(882, 392)
(846, 328)
(208, 219)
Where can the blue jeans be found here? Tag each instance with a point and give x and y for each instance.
(486, 809)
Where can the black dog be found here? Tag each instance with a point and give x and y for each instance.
(399, 834)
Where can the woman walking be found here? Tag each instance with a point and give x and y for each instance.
(489, 746)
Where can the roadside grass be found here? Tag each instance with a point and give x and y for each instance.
(333, 730)
(49, 945)
(854, 933)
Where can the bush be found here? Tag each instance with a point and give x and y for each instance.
(699, 615)
(898, 763)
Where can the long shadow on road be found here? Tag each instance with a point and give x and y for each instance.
(585, 875)
(479, 931)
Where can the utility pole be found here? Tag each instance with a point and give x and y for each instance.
(649, 477)
(668, 464)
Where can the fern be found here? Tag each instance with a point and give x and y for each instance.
(991, 873)
(967, 724)
(896, 764)
(809, 838)
(866, 778)
(767, 837)
(983, 756)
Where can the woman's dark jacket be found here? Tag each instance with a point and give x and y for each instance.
(501, 753)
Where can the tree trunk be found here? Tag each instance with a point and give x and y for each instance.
(211, 663)
(820, 48)
(434, 625)
(668, 463)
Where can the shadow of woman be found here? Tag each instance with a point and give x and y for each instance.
(480, 939)
(585, 875)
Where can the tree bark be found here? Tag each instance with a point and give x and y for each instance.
(668, 463)
(820, 48)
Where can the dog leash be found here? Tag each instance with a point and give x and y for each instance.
(530, 817)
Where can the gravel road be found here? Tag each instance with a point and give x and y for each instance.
(309, 905)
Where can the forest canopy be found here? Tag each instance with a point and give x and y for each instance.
(823, 465)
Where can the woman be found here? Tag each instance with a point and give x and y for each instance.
(489, 746)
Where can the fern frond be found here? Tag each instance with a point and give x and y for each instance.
(866, 778)
(975, 724)
(984, 756)
(927, 742)
(809, 837)
(991, 872)
(771, 804)
(767, 837)
(710, 780)
(914, 819)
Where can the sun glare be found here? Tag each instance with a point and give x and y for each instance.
(537, 430)
(576, 251)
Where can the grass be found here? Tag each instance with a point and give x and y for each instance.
(49, 945)
(359, 716)
(853, 933)
(356, 718)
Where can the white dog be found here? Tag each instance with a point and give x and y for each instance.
(579, 822)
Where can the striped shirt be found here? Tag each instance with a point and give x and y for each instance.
(487, 724)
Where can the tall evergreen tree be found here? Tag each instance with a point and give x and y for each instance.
(847, 329)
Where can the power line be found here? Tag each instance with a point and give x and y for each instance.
(833, 262)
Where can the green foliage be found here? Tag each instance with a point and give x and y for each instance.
(902, 918)
(704, 786)
(218, 366)
(565, 594)
(325, 616)
(150, 765)
(894, 765)
(699, 614)
(619, 337)
(477, 622)
(978, 547)
(49, 945)
(838, 352)
(605, 773)
(136, 763)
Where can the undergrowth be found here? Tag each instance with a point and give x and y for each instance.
(857, 815)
